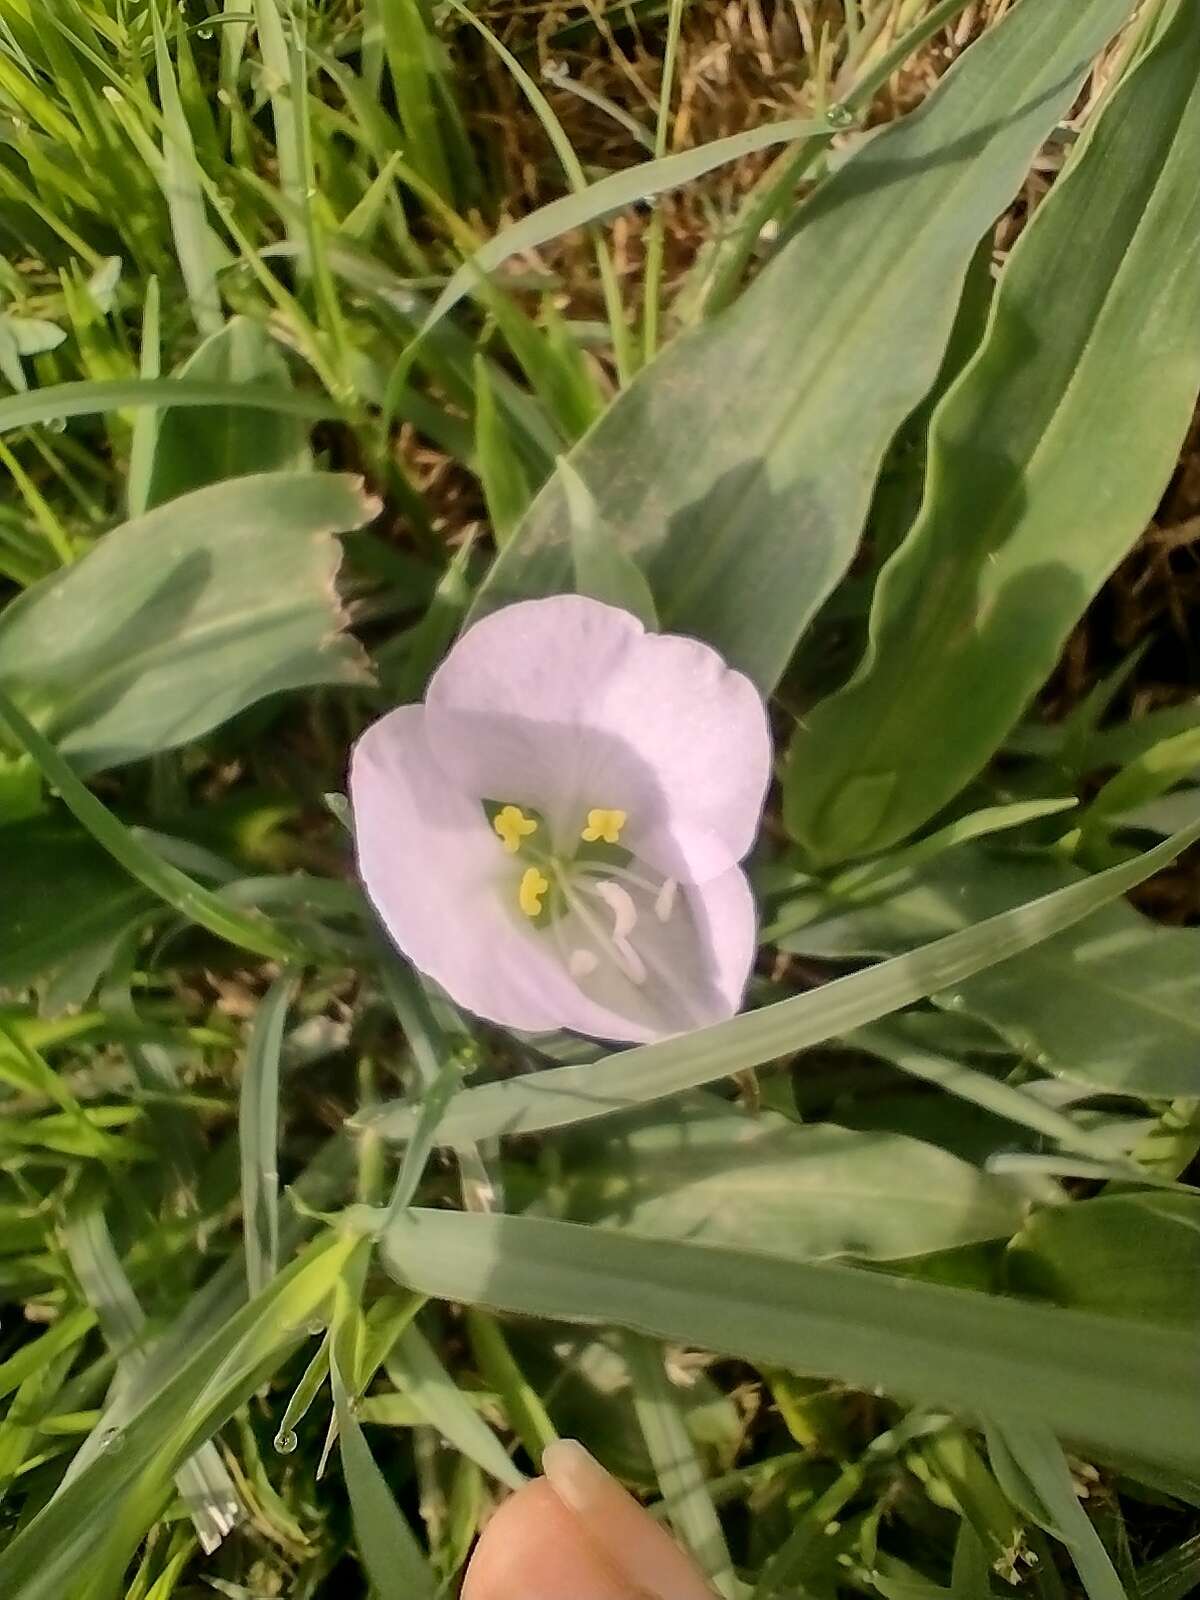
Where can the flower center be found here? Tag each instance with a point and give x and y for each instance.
(592, 893)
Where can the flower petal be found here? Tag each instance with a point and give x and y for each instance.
(566, 705)
(433, 870)
(702, 728)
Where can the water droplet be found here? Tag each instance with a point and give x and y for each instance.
(840, 116)
(314, 1328)
(285, 1442)
(112, 1440)
(204, 33)
(56, 424)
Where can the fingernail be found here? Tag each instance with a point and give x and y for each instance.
(577, 1477)
(653, 1565)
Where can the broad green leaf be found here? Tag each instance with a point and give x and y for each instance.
(1115, 1002)
(602, 569)
(1132, 1255)
(1078, 1373)
(1047, 459)
(565, 1095)
(178, 620)
(202, 447)
(115, 1490)
(737, 470)
(713, 1175)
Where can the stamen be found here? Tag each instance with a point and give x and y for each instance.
(511, 823)
(531, 892)
(606, 825)
(620, 902)
(582, 963)
(665, 903)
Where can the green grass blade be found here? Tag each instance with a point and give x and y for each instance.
(175, 888)
(992, 1094)
(145, 424)
(407, 47)
(92, 397)
(1037, 1455)
(566, 1095)
(622, 343)
(676, 1465)
(1081, 1374)
(527, 1416)
(393, 1559)
(505, 484)
(203, 1481)
(593, 202)
(652, 275)
(194, 243)
(118, 1492)
(417, 1371)
(258, 1134)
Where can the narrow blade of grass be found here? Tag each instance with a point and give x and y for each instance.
(175, 888)
(566, 1095)
(391, 1556)
(676, 1465)
(417, 1371)
(92, 397)
(258, 1134)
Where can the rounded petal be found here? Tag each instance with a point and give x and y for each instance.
(446, 891)
(567, 704)
(702, 728)
(433, 868)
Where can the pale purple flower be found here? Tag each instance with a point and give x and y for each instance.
(554, 835)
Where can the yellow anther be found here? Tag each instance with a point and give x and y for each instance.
(604, 825)
(533, 887)
(511, 823)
